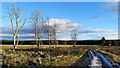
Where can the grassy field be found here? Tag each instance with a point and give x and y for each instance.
(62, 55)
(42, 46)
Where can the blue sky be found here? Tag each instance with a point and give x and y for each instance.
(96, 19)
(60, 0)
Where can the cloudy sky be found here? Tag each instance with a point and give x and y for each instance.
(93, 20)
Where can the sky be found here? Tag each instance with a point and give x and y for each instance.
(60, 0)
(93, 20)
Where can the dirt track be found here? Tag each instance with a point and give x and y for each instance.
(92, 59)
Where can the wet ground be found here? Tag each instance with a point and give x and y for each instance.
(93, 59)
(96, 61)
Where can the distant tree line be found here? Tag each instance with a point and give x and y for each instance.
(69, 42)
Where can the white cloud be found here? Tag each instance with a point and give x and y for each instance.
(97, 30)
(26, 35)
(101, 30)
(109, 35)
(83, 35)
(21, 35)
(64, 24)
(6, 35)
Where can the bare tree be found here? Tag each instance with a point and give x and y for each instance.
(51, 35)
(51, 32)
(14, 15)
(54, 34)
(47, 31)
(40, 31)
(74, 36)
(37, 21)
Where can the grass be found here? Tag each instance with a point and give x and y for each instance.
(112, 49)
(42, 46)
(111, 53)
(60, 56)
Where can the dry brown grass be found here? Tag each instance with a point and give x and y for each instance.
(35, 46)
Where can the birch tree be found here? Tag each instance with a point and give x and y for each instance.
(48, 32)
(54, 34)
(74, 36)
(51, 33)
(16, 22)
(37, 21)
